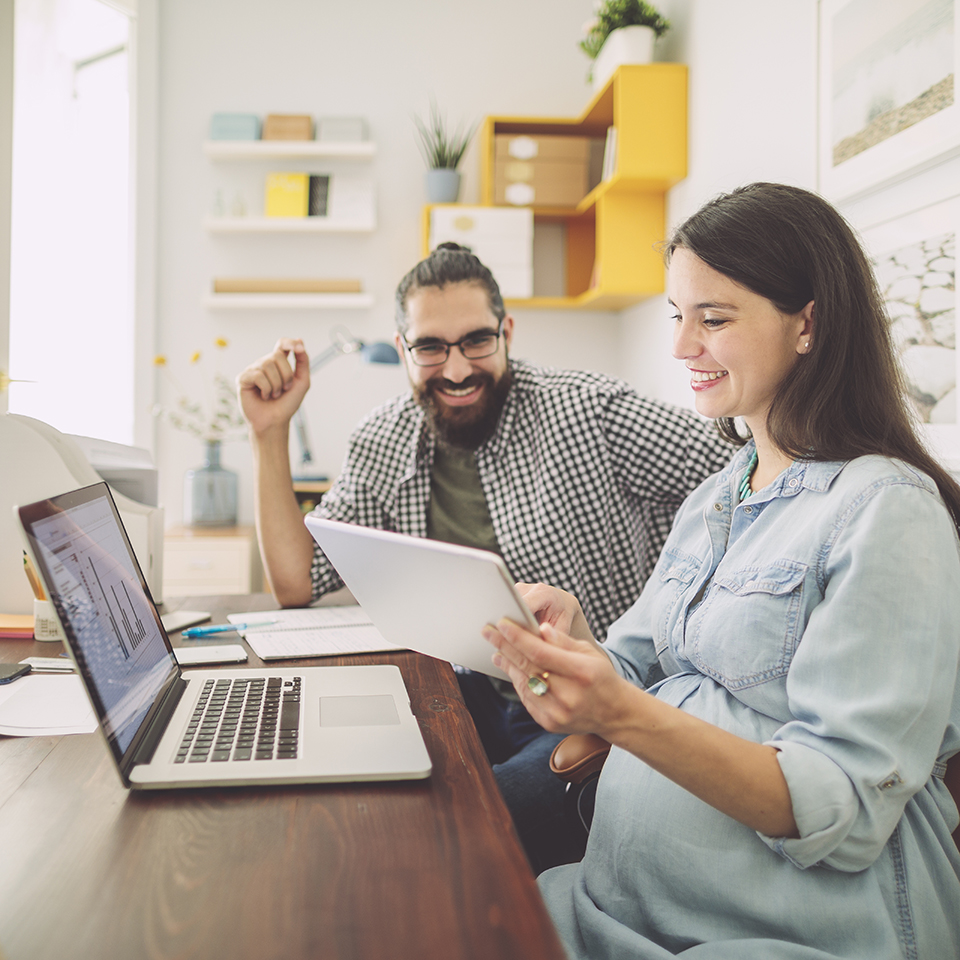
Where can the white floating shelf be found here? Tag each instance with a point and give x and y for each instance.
(287, 301)
(285, 225)
(265, 149)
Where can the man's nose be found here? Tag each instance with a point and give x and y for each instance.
(457, 367)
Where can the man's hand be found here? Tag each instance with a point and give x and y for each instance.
(271, 390)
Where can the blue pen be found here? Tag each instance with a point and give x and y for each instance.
(223, 628)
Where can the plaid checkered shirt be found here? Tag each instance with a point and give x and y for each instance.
(582, 478)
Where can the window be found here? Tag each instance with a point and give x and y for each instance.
(71, 267)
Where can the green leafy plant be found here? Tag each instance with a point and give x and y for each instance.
(614, 14)
(440, 147)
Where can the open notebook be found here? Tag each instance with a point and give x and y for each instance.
(312, 632)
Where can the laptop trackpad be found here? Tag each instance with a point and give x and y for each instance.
(370, 711)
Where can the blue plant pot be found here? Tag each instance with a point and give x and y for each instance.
(443, 185)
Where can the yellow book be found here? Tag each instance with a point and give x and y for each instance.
(288, 194)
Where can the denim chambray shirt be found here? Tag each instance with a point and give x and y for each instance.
(821, 616)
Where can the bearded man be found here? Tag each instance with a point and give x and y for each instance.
(572, 477)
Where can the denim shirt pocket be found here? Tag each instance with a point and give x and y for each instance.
(677, 572)
(756, 620)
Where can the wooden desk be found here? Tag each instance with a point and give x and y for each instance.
(426, 869)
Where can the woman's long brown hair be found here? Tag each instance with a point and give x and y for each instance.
(845, 398)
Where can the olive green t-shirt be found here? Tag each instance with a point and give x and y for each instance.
(458, 512)
(458, 509)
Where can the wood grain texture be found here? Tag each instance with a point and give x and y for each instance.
(425, 869)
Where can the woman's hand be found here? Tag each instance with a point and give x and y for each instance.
(556, 607)
(584, 693)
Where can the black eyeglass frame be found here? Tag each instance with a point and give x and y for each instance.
(411, 348)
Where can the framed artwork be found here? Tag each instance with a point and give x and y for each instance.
(914, 256)
(888, 98)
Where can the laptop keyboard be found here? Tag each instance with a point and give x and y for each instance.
(244, 719)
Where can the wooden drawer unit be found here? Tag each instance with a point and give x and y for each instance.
(199, 561)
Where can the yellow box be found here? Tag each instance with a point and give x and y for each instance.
(288, 195)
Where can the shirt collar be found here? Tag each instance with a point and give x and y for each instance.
(816, 475)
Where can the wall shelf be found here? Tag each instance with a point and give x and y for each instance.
(285, 225)
(271, 149)
(352, 211)
(287, 301)
(611, 236)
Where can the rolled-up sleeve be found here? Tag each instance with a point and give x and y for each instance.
(874, 677)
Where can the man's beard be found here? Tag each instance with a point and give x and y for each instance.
(465, 427)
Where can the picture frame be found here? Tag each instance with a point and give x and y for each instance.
(913, 251)
(888, 99)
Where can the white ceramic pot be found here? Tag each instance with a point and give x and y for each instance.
(626, 45)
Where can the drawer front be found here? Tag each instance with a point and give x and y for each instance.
(197, 567)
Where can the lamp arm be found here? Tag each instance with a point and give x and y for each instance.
(300, 425)
(344, 342)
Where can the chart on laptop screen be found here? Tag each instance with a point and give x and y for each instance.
(100, 596)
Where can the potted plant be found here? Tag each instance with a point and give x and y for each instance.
(442, 150)
(623, 31)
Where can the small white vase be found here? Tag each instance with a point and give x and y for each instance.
(626, 45)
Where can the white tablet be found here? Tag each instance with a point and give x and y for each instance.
(429, 596)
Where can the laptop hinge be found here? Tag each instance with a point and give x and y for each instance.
(147, 747)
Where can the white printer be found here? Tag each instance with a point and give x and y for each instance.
(38, 461)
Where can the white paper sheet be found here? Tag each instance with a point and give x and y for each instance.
(45, 705)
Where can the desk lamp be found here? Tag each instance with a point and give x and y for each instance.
(343, 343)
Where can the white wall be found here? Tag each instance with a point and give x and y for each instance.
(753, 103)
(324, 58)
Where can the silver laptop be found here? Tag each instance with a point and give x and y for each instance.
(431, 596)
(165, 728)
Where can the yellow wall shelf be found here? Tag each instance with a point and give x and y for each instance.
(611, 236)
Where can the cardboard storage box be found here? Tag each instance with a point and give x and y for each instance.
(546, 171)
(284, 285)
(288, 126)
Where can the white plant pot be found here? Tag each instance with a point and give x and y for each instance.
(626, 45)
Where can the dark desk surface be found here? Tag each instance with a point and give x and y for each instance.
(425, 869)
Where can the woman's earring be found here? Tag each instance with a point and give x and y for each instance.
(806, 347)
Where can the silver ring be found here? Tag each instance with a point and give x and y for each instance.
(538, 686)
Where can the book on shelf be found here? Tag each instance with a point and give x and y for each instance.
(285, 285)
(610, 155)
(287, 195)
(319, 194)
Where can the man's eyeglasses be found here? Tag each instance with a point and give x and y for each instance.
(474, 346)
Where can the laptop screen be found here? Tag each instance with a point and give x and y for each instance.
(104, 605)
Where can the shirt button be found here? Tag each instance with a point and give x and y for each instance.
(718, 506)
(793, 482)
(748, 509)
